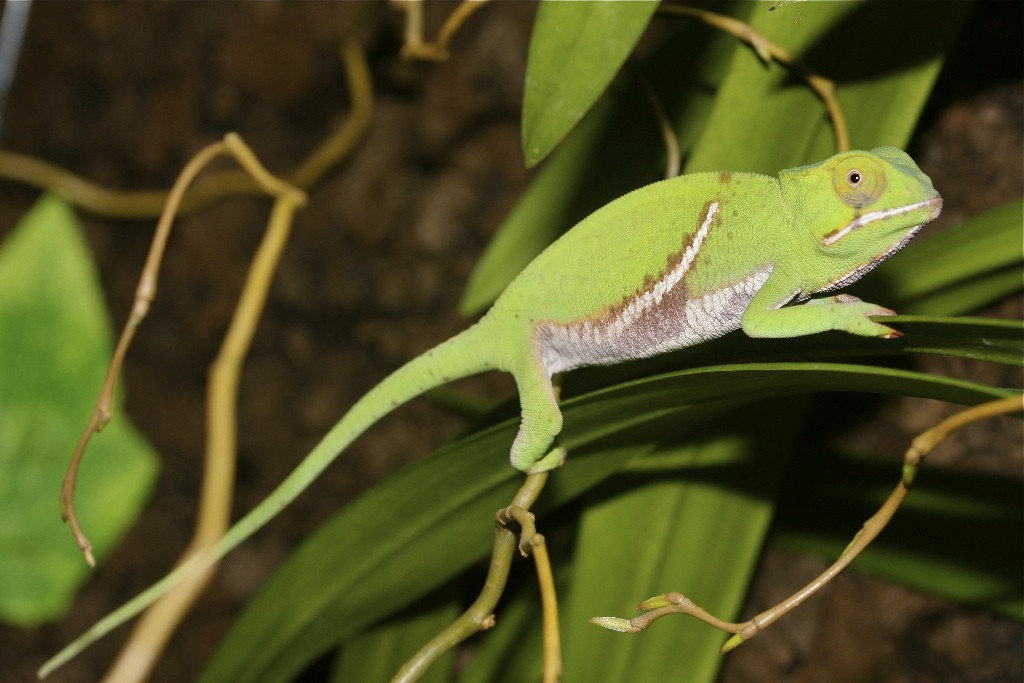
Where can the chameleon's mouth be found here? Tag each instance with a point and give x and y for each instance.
(934, 205)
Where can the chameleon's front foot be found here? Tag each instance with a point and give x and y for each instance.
(867, 310)
(854, 316)
(842, 312)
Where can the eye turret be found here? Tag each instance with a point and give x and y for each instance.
(858, 180)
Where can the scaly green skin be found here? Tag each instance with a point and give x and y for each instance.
(666, 266)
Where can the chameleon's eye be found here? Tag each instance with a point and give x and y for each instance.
(858, 180)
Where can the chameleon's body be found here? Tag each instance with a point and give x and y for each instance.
(679, 262)
(667, 266)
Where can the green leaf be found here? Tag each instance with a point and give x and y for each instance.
(575, 51)
(765, 119)
(429, 522)
(694, 522)
(999, 341)
(376, 654)
(55, 343)
(399, 541)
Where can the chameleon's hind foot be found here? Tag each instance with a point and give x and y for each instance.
(554, 459)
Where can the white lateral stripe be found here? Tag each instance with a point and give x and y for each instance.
(662, 317)
(871, 217)
(652, 298)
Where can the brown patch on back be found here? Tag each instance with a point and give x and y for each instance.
(725, 177)
(673, 261)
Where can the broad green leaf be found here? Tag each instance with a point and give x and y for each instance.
(575, 50)
(399, 541)
(956, 535)
(426, 524)
(694, 525)
(764, 119)
(55, 343)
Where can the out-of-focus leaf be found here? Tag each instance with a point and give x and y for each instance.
(376, 654)
(695, 525)
(55, 343)
(575, 50)
(765, 119)
(972, 294)
(957, 534)
(426, 524)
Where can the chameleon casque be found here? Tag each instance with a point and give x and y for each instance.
(669, 265)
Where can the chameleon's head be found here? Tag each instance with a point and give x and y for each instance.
(861, 205)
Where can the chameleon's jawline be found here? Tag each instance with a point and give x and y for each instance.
(935, 203)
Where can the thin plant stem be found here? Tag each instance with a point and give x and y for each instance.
(673, 160)
(549, 604)
(149, 637)
(155, 628)
(415, 47)
(146, 204)
(340, 145)
(480, 615)
(677, 603)
(768, 51)
(144, 294)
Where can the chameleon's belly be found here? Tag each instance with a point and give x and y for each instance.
(664, 317)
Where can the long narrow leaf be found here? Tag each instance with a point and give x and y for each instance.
(373, 655)
(998, 341)
(696, 527)
(575, 51)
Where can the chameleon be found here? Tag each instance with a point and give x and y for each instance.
(669, 265)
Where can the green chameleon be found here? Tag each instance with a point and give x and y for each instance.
(667, 266)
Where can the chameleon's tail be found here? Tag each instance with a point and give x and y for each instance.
(465, 354)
